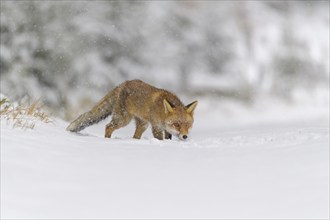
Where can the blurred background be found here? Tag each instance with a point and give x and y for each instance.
(70, 53)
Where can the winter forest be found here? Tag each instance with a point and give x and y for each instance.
(70, 53)
(259, 144)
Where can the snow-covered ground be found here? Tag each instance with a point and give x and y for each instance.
(256, 162)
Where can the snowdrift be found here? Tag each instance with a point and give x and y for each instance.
(238, 164)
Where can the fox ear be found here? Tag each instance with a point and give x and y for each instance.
(167, 106)
(191, 107)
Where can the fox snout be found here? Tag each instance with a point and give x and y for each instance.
(183, 134)
(183, 137)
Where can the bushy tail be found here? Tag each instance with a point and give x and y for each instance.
(99, 112)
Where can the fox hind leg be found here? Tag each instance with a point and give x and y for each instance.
(117, 121)
(141, 126)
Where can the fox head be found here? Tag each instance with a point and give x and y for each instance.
(179, 120)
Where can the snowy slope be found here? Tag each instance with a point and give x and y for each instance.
(246, 164)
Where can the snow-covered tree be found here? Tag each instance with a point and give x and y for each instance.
(73, 52)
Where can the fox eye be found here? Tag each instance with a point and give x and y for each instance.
(176, 125)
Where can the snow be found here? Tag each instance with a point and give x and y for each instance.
(266, 161)
(260, 159)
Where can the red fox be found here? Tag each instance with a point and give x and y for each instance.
(146, 104)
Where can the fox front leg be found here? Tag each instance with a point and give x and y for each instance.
(158, 133)
(141, 126)
(168, 135)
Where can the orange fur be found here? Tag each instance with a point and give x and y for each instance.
(144, 103)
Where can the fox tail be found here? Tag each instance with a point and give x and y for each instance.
(99, 112)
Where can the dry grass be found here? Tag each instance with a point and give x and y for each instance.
(23, 115)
